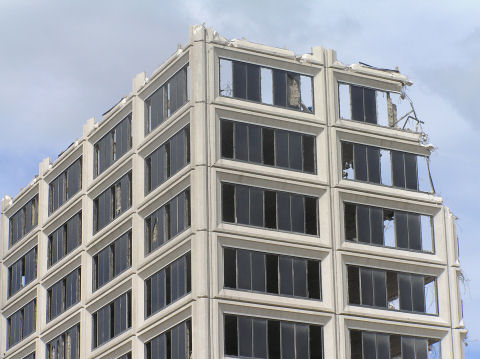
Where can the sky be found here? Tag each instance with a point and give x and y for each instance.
(62, 62)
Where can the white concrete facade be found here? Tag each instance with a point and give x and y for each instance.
(207, 234)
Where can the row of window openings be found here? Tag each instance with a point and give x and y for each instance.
(23, 221)
(165, 101)
(21, 324)
(112, 146)
(266, 85)
(251, 337)
(65, 186)
(174, 343)
(387, 167)
(363, 104)
(66, 345)
(371, 345)
(388, 227)
(22, 272)
(63, 294)
(271, 273)
(392, 290)
(267, 146)
(270, 209)
(167, 160)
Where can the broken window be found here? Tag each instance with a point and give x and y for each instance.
(168, 285)
(369, 105)
(269, 209)
(166, 222)
(65, 186)
(21, 324)
(273, 147)
(388, 167)
(64, 239)
(388, 227)
(271, 273)
(168, 159)
(251, 337)
(173, 343)
(392, 290)
(265, 85)
(371, 345)
(23, 221)
(112, 260)
(22, 272)
(112, 146)
(112, 319)
(112, 202)
(165, 101)
(66, 345)
(63, 294)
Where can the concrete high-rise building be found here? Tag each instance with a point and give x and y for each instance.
(241, 202)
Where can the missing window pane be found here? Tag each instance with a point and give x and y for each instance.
(385, 167)
(426, 223)
(388, 228)
(266, 86)
(226, 87)
(306, 93)
(347, 160)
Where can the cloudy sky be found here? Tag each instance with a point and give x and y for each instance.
(62, 62)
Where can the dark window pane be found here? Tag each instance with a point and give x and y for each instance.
(228, 202)
(398, 169)
(368, 344)
(373, 157)
(297, 213)
(383, 346)
(121, 254)
(316, 342)
(259, 338)
(231, 335)
(273, 339)
(241, 141)
(72, 288)
(283, 211)
(311, 215)
(242, 204)
(379, 288)
(301, 341)
(401, 229)
(270, 209)
(288, 340)
(353, 285)
(300, 277)
(360, 162)
(313, 270)
(408, 348)
(366, 286)
(356, 100)
(370, 105)
(421, 348)
(279, 88)
(411, 180)
(182, 212)
(230, 267)
(405, 288)
(258, 271)
(268, 146)
(363, 223)
(418, 293)
(245, 336)
(256, 207)
(272, 273)
(285, 265)
(281, 148)
(254, 143)
(295, 150)
(244, 269)
(253, 82)
(308, 153)
(414, 231)
(376, 221)
(239, 79)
